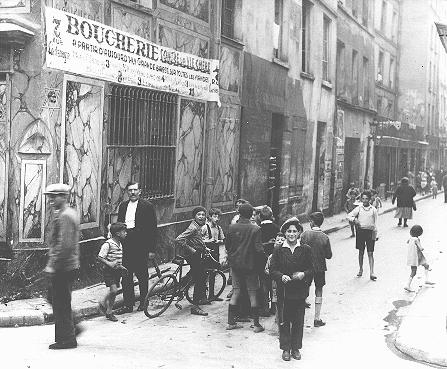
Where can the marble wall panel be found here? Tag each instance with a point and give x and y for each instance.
(83, 147)
(181, 41)
(225, 155)
(189, 162)
(195, 8)
(230, 69)
(32, 209)
(125, 19)
(91, 9)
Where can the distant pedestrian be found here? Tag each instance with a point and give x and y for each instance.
(238, 203)
(111, 257)
(291, 267)
(353, 191)
(405, 202)
(350, 205)
(321, 250)
(444, 185)
(243, 246)
(214, 238)
(365, 218)
(434, 189)
(375, 199)
(415, 256)
(63, 264)
(139, 245)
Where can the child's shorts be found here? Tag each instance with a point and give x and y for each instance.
(319, 278)
(111, 276)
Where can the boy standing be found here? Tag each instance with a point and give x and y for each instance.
(213, 237)
(321, 250)
(111, 256)
(365, 218)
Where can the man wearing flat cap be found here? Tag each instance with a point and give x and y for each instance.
(63, 264)
(139, 245)
(191, 247)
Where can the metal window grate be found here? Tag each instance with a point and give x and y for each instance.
(142, 128)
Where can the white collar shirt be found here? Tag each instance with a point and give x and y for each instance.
(130, 214)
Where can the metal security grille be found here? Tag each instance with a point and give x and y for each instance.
(142, 129)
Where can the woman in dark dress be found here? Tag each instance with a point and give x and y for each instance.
(404, 194)
(291, 267)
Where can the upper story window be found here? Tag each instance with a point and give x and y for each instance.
(145, 3)
(355, 10)
(392, 72)
(278, 29)
(365, 81)
(227, 22)
(383, 17)
(305, 36)
(394, 27)
(365, 12)
(326, 50)
(355, 74)
(380, 66)
(340, 67)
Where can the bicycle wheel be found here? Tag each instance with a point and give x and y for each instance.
(211, 290)
(160, 296)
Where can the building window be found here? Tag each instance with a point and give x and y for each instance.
(379, 77)
(277, 29)
(227, 22)
(305, 36)
(340, 68)
(142, 131)
(365, 12)
(392, 73)
(394, 27)
(355, 10)
(145, 3)
(379, 104)
(355, 76)
(365, 82)
(383, 17)
(326, 51)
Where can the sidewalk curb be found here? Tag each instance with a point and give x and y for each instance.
(38, 316)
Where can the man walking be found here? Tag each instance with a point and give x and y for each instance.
(63, 264)
(244, 246)
(139, 245)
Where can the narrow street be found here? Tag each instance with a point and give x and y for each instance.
(361, 317)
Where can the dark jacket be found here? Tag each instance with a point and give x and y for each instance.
(144, 237)
(244, 245)
(284, 262)
(190, 239)
(268, 234)
(444, 182)
(320, 245)
(404, 195)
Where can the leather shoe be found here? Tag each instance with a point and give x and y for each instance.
(215, 299)
(258, 329)
(124, 310)
(286, 355)
(319, 323)
(198, 311)
(296, 354)
(63, 345)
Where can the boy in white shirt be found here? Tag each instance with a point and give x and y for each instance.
(365, 218)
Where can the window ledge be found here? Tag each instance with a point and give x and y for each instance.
(307, 75)
(281, 63)
(232, 41)
(326, 84)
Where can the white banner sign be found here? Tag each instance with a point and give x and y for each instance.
(82, 46)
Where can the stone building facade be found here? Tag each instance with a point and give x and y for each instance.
(355, 90)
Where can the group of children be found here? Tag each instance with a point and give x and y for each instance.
(111, 252)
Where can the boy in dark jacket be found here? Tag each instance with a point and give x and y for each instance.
(244, 246)
(321, 250)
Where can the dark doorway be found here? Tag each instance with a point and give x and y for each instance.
(320, 157)
(274, 171)
(352, 163)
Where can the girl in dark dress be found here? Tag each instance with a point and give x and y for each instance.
(291, 267)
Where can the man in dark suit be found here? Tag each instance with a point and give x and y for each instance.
(139, 245)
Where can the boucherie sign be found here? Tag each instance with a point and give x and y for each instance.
(82, 46)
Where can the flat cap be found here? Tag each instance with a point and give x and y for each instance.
(57, 189)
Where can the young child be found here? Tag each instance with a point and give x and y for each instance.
(321, 250)
(375, 199)
(213, 237)
(111, 255)
(434, 189)
(350, 206)
(279, 240)
(415, 256)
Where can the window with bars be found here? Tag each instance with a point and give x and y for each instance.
(142, 129)
(227, 22)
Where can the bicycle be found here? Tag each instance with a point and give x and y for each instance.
(175, 285)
